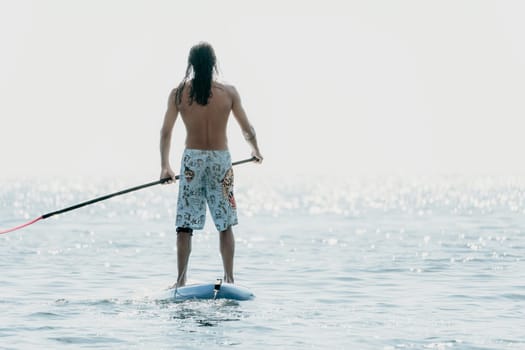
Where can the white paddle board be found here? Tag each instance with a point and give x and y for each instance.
(212, 291)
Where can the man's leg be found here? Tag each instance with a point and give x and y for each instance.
(183, 255)
(227, 243)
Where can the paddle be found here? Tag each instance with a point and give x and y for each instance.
(102, 198)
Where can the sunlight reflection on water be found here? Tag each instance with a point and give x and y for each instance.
(356, 263)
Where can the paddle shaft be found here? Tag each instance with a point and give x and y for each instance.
(128, 190)
(102, 198)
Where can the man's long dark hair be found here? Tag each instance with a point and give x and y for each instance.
(202, 63)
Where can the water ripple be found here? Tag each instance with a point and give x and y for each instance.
(390, 263)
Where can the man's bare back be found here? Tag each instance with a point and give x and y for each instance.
(206, 125)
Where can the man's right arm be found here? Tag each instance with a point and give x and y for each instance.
(247, 129)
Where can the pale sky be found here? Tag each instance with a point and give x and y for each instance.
(345, 87)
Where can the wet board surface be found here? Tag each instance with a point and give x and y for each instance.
(207, 291)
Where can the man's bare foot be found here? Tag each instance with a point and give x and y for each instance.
(177, 285)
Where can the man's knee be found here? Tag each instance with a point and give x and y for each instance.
(227, 230)
(185, 230)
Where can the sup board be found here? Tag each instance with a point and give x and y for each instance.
(217, 290)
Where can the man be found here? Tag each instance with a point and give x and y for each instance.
(206, 169)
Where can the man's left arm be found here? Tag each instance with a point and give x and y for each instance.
(165, 136)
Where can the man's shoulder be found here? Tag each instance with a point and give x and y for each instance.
(176, 90)
(229, 88)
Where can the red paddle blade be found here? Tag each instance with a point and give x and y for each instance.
(21, 226)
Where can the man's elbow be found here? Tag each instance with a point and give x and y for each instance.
(165, 133)
(249, 134)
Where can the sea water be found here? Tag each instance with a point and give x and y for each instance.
(375, 263)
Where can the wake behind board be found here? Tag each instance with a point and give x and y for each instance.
(211, 291)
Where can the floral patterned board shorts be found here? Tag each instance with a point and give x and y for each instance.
(206, 177)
